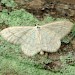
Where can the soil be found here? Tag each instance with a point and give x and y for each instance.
(55, 8)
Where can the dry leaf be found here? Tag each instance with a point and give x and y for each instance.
(38, 38)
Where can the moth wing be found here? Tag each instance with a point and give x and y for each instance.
(62, 28)
(15, 34)
(27, 37)
(31, 45)
(50, 41)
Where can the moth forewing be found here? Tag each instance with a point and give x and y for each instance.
(62, 28)
(14, 34)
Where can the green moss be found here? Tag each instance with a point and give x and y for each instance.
(9, 3)
(18, 18)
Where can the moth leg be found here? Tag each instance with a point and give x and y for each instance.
(41, 52)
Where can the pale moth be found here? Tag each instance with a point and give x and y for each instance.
(35, 39)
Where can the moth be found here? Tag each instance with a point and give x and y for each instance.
(35, 39)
